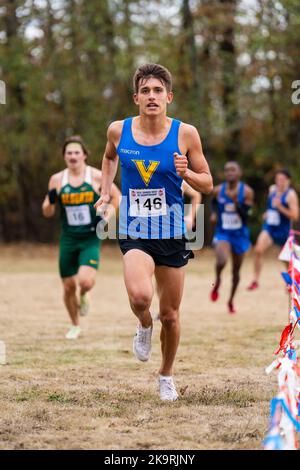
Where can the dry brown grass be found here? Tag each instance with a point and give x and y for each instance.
(92, 393)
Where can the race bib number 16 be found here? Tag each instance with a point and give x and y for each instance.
(78, 215)
(147, 202)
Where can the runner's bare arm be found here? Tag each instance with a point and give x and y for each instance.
(110, 209)
(115, 193)
(48, 207)
(110, 162)
(270, 190)
(195, 200)
(214, 205)
(198, 175)
(249, 196)
(244, 208)
(292, 212)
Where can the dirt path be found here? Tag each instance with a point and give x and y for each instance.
(92, 393)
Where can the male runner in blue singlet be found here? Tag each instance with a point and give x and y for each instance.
(282, 210)
(157, 153)
(231, 203)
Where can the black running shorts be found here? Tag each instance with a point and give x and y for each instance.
(170, 252)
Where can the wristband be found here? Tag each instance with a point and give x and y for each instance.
(52, 194)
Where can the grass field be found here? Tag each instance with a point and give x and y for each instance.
(93, 394)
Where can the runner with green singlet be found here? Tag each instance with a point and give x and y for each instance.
(76, 189)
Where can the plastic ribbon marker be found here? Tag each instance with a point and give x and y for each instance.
(285, 407)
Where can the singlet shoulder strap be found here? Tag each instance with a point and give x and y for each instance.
(126, 134)
(241, 192)
(285, 194)
(65, 177)
(175, 126)
(88, 175)
(173, 135)
(127, 124)
(222, 192)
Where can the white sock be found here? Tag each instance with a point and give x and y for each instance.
(148, 328)
(165, 377)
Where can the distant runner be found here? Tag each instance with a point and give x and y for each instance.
(232, 201)
(76, 189)
(282, 211)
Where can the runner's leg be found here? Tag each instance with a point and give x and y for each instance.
(70, 299)
(264, 241)
(138, 269)
(237, 261)
(86, 278)
(222, 251)
(170, 282)
(88, 259)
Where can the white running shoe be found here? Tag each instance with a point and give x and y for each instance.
(167, 390)
(84, 305)
(142, 343)
(73, 332)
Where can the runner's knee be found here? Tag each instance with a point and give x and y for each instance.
(258, 250)
(86, 284)
(69, 287)
(169, 317)
(221, 263)
(140, 301)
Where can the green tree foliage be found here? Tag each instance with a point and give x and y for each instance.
(68, 67)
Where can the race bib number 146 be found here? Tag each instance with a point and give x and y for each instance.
(147, 202)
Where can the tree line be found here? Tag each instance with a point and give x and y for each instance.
(68, 67)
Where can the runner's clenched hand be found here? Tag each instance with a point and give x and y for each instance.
(181, 164)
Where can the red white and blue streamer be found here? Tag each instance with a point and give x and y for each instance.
(285, 407)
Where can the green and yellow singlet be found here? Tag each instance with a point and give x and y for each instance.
(78, 215)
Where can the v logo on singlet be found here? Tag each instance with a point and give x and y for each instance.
(146, 173)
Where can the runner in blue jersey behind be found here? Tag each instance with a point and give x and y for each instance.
(282, 210)
(157, 154)
(231, 203)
